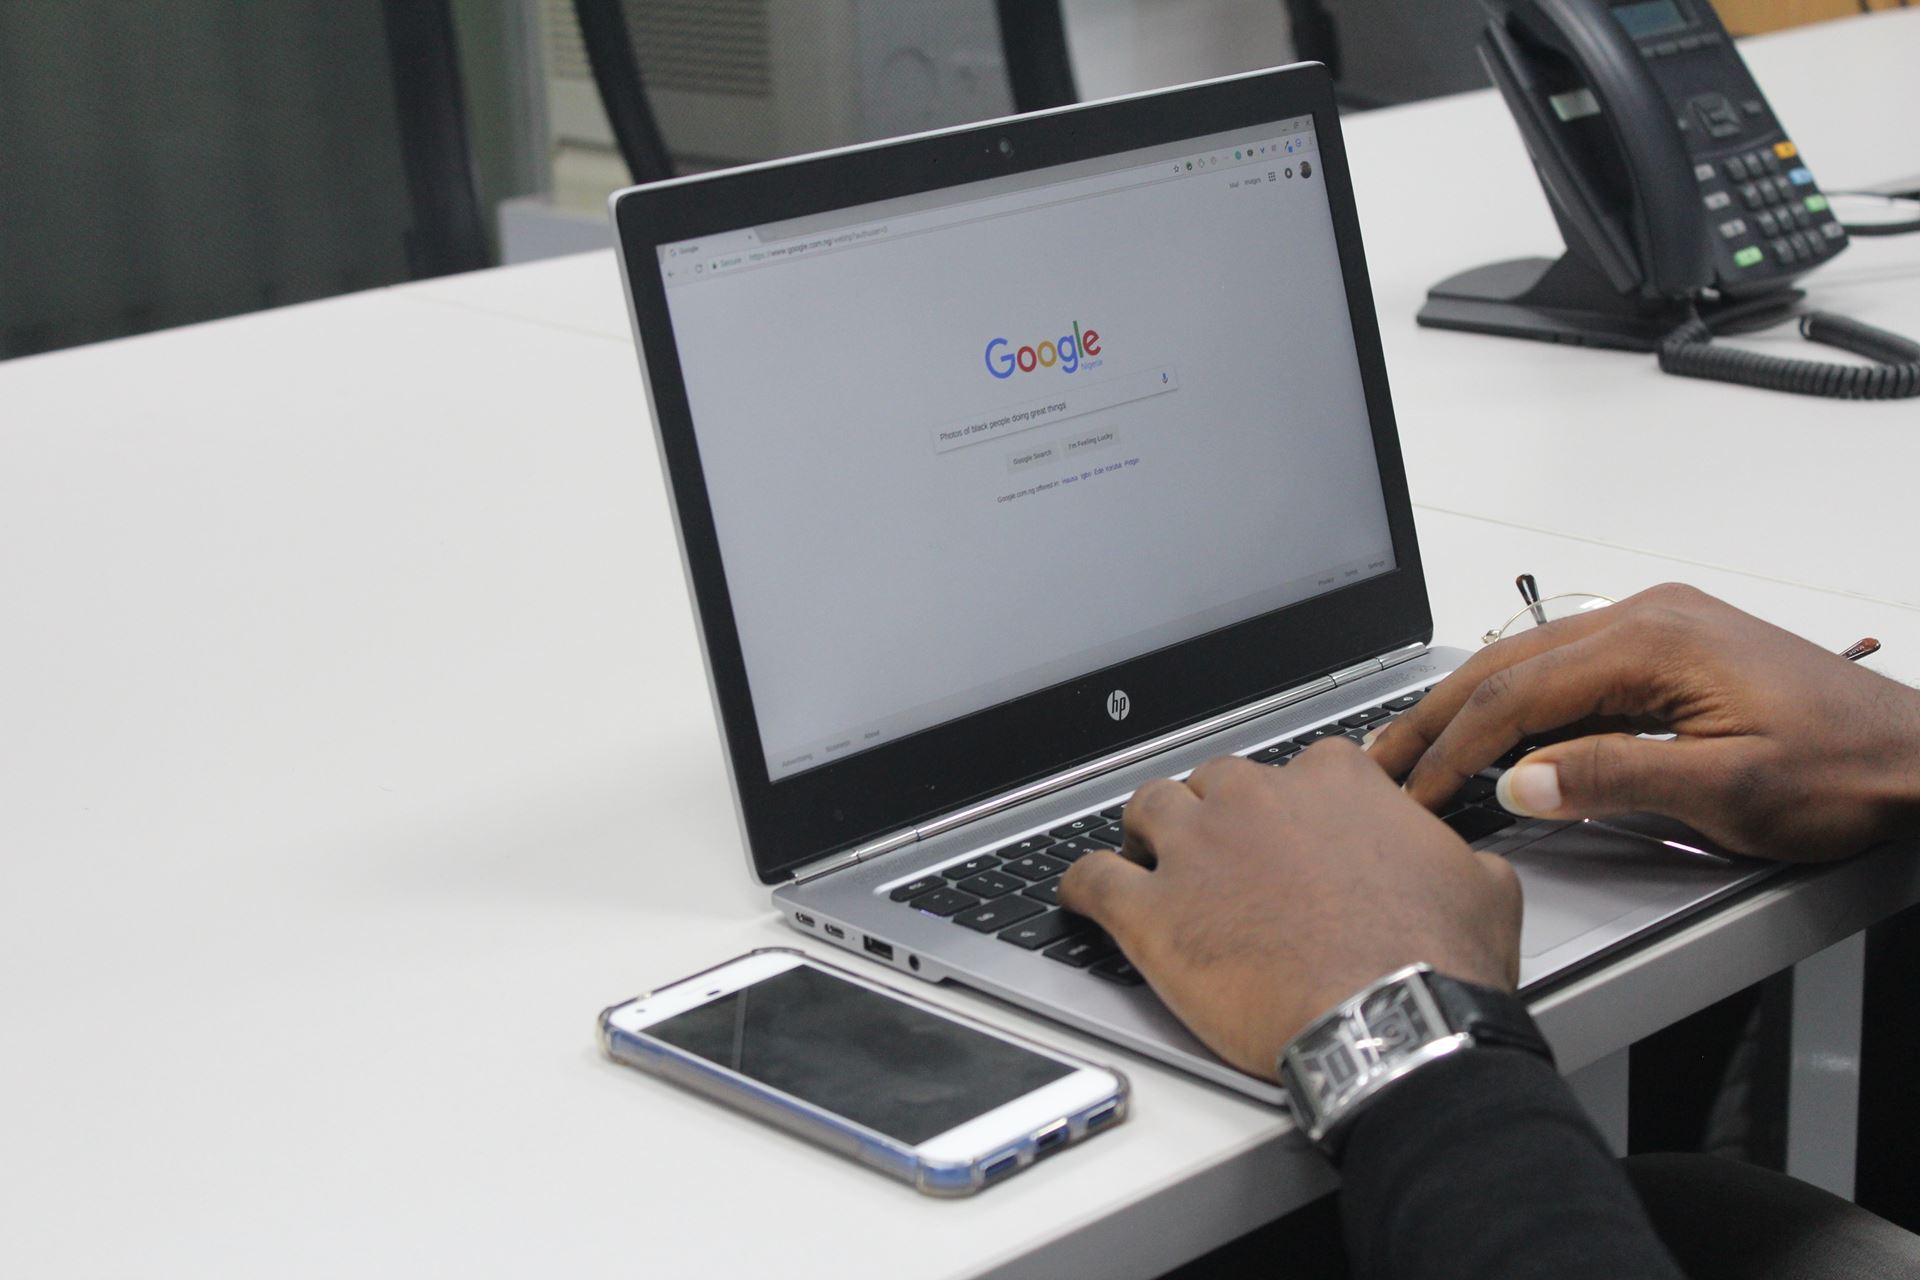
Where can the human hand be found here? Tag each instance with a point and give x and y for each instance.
(1782, 749)
(1274, 894)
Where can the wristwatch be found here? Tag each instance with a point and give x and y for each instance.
(1414, 1016)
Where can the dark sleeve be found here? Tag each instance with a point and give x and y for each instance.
(1483, 1165)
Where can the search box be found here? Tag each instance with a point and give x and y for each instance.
(1056, 404)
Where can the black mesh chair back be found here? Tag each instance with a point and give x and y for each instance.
(1033, 34)
(616, 72)
(169, 161)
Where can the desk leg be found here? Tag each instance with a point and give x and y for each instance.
(1601, 1087)
(1823, 1085)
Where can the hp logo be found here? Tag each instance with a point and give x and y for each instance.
(1118, 704)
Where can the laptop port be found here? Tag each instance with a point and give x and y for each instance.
(1004, 1165)
(1103, 1116)
(878, 948)
(1049, 1138)
(835, 931)
(803, 918)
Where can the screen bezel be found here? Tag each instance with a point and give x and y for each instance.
(808, 816)
(987, 1134)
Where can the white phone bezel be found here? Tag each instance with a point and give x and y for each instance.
(986, 1135)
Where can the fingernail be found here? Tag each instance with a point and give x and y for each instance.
(1530, 790)
(1370, 737)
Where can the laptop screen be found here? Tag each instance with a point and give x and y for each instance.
(972, 443)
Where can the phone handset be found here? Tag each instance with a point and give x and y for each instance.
(1686, 209)
(1596, 105)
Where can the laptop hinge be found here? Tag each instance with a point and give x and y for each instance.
(1105, 764)
(859, 853)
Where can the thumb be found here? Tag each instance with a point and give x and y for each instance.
(1106, 888)
(1608, 773)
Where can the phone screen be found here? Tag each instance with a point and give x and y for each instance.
(873, 1060)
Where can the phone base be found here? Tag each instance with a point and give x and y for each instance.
(1555, 300)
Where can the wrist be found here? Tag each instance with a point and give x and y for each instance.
(1343, 1061)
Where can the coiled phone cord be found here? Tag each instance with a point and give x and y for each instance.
(1689, 352)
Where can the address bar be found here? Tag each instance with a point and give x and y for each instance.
(1145, 175)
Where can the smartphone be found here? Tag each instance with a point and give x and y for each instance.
(936, 1100)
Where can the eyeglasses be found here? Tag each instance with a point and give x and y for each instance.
(1539, 612)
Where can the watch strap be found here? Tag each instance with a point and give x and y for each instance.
(1492, 1017)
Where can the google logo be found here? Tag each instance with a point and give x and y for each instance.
(1064, 351)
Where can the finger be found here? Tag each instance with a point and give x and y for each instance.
(1594, 676)
(1406, 738)
(1157, 809)
(1210, 776)
(1107, 889)
(1614, 773)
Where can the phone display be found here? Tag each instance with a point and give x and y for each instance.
(938, 1100)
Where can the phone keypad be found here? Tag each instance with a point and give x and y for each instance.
(1782, 219)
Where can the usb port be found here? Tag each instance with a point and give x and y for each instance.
(803, 918)
(1004, 1165)
(876, 947)
(1050, 1137)
(1103, 1116)
(835, 931)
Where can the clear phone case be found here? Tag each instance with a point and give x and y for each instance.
(888, 1155)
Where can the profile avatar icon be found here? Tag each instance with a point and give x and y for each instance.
(1306, 168)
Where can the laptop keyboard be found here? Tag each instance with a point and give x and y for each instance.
(1013, 891)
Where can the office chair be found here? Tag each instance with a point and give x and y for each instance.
(1033, 38)
(623, 92)
(169, 161)
(1382, 52)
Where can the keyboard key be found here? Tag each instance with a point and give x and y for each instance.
(1361, 719)
(1083, 950)
(1278, 753)
(1075, 849)
(991, 884)
(1077, 827)
(991, 917)
(1312, 736)
(1476, 823)
(1118, 969)
(1035, 866)
(1476, 790)
(917, 888)
(971, 867)
(1045, 930)
(1107, 837)
(1404, 701)
(944, 902)
(1047, 891)
(1032, 844)
(1113, 814)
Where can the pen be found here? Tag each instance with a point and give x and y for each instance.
(1864, 647)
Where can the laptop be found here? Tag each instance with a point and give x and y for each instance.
(1018, 463)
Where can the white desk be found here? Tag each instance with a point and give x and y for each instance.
(354, 752)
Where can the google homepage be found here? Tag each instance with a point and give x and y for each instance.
(957, 453)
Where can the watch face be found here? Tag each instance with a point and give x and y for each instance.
(1395, 1020)
(1332, 1067)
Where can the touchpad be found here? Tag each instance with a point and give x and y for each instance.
(1583, 878)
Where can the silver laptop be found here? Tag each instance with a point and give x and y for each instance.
(1019, 463)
